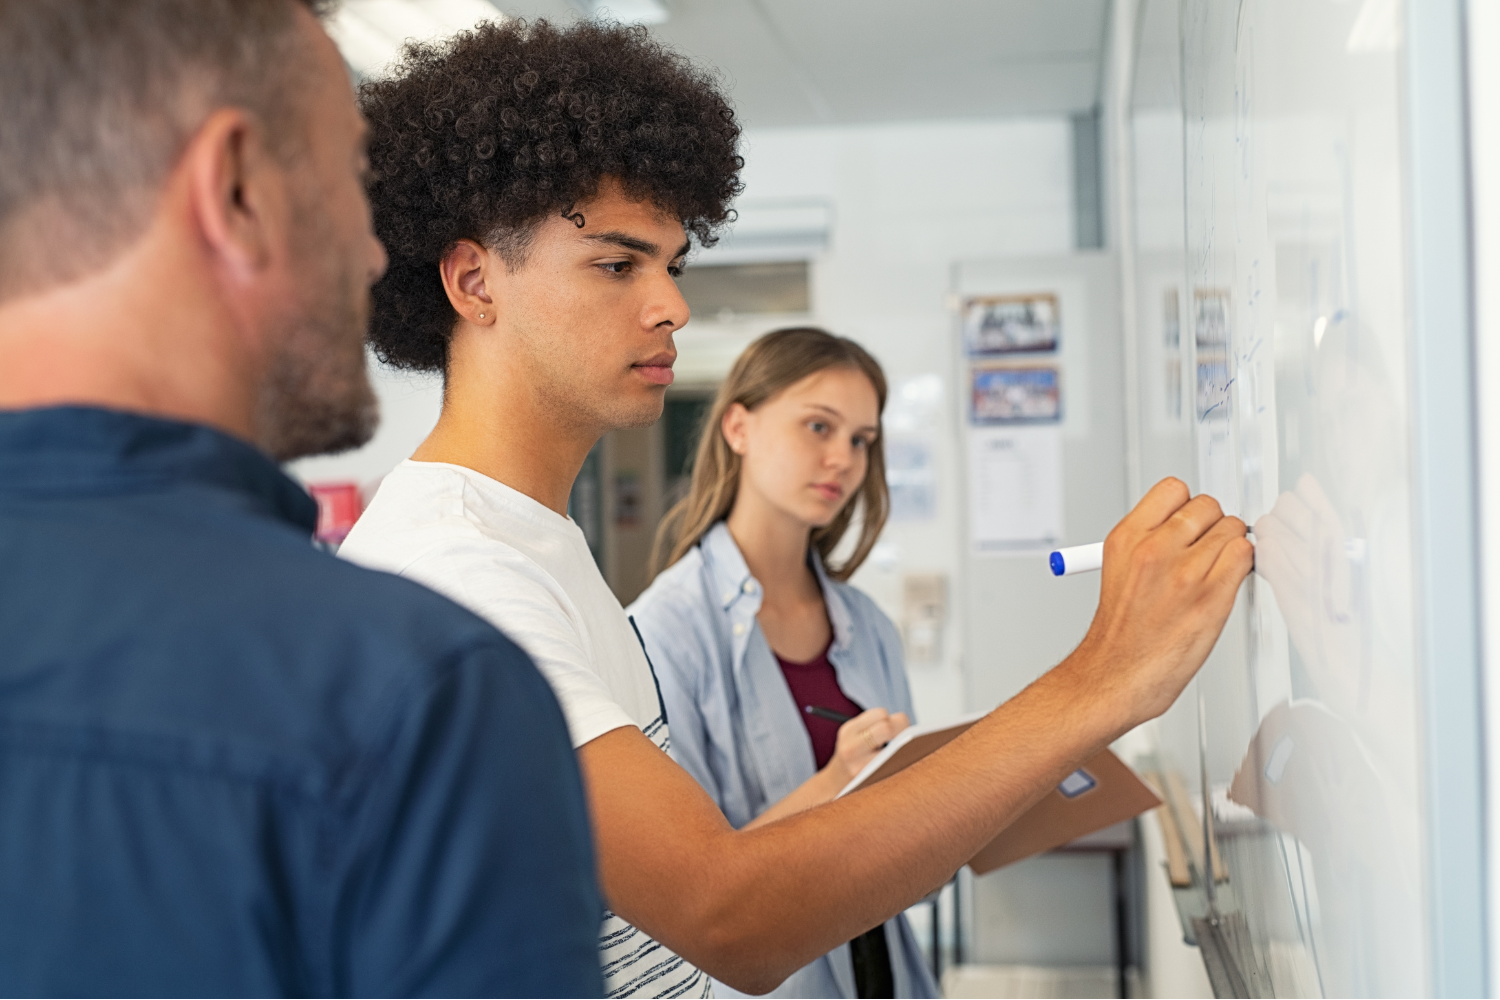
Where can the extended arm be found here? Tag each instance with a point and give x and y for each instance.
(752, 906)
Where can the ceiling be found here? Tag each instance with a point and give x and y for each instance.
(816, 62)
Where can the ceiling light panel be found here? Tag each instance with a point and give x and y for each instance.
(629, 11)
(370, 33)
(460, 15)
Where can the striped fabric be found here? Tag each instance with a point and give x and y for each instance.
(634, 964)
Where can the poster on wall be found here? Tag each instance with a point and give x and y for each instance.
(1011, 324)
(1015, 394)
(1015, 489)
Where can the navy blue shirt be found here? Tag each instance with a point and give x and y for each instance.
(232, 764)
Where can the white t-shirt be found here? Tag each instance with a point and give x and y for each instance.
(529, 572)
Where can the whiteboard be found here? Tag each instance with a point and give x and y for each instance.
(1274, 309)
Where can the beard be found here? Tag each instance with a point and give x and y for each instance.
(316, 398)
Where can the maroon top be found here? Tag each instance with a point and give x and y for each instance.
(815, 683)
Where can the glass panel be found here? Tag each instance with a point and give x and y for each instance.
(1163, 355)
(1292, 336)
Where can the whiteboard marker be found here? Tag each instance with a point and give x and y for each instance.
(1077, 559)
(1090, 558)
(1086, 558)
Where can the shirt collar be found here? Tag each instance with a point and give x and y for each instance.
(82, 450)
(727, 566)
(732, 580)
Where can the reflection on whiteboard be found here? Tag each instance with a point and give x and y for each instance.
(1211, 338)
(1216, 465)
(1015, 489)
(1213, 389)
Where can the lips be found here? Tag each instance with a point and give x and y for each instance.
(829, 491)
(658, 368)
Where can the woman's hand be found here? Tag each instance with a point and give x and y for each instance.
(861, 738)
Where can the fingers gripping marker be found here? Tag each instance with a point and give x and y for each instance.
(1089, 558)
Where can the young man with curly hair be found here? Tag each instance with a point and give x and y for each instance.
(538, 189)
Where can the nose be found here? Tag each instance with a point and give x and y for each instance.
(666, 306)
(840, 454)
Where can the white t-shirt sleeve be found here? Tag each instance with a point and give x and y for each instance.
(518, 598)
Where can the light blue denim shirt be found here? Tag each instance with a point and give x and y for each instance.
(735, 726)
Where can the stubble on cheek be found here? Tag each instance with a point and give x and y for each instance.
(317, 397)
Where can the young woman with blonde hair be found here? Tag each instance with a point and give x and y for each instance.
(758, 642)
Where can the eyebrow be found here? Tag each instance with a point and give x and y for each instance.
(625, 241)
(836, 413)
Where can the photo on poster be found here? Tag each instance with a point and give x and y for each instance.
(1213, 390)
(1211, 320)
(1015, 394)
(1011, 324)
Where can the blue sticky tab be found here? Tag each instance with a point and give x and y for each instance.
(1058, 567)
(1076, 784)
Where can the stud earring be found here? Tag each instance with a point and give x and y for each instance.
(481, 315)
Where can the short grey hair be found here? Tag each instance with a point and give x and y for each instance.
(99, 97)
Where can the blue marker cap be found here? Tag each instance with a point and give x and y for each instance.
(1058, 566)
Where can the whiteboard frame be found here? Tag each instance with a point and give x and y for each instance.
(1444, 460)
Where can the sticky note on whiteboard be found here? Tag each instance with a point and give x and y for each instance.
(1076, 784)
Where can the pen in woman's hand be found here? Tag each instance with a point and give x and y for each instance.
(827, 713)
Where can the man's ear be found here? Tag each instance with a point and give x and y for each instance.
(237, 190)
(733, 427)
(463, 269)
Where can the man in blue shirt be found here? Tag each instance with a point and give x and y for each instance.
(230, 764)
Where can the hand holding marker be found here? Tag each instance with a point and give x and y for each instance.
(1090, 558)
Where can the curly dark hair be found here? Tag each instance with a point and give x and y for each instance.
(484, 135)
